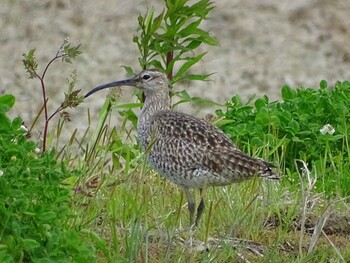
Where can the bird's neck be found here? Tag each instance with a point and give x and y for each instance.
(153, 104)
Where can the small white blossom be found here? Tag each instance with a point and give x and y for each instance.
(1, 173)
(37, 150)
(24, 128)
(327, 129)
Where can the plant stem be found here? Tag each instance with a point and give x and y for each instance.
(45, 99)
(169, 58)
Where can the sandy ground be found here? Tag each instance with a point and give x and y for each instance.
(263, 45)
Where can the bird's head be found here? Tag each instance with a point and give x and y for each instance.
(150, 81)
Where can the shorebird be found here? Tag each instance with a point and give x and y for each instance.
(186, 150)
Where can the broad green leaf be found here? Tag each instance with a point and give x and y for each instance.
(288, 93)
(129, 70)
(294, 126)
(4, 108)
(47, 216)
(206, 38)
(30, 244)
(262, 118)
(241, 129)
(274, 120)
(237, 101)
(193, 44)
(259, 103)
(157, 22)
(8, 100)
(16, 229)
(156, 64)
(190, 29)
(190, 62)
(5, 122)
(185, 97)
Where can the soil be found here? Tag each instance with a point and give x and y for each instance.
(263, 45)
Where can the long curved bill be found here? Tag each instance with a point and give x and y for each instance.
(127, 82)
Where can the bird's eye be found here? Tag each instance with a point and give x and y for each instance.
(146, 77)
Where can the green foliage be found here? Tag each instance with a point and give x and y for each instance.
(30, 63)
(69, 52)
(35, 207)
(173, 36)
(300, 127)
(6, 103)
(66, 52)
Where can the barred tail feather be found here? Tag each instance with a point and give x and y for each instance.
(267, 172)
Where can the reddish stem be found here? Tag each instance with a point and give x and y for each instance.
(45, 99)
(169, 58)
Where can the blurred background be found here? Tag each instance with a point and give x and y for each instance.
(264, 44)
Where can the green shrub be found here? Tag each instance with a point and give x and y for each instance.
(34, 207)
(309, 124)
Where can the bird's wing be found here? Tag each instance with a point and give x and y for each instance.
(202, 145)
(191, 130)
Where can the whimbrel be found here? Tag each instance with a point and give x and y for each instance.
(188, 151)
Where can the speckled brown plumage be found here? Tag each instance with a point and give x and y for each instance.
(188, 151)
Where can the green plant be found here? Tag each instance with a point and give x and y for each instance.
(35, 206)
(66, 52)
(310, 124)
(173, 36)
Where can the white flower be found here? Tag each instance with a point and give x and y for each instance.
(327, 129)
(24, 128)
(1, 173)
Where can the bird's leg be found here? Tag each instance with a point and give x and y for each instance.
(191, 205)
(200, 208)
